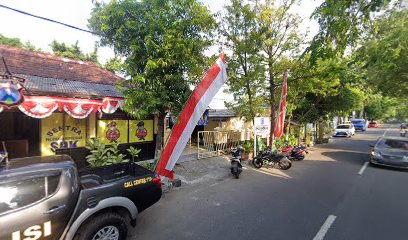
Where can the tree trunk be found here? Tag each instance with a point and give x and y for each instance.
(288, 127)
(160, 133)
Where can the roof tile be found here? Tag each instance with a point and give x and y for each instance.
(26, 62)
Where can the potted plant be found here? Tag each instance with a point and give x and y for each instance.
(103, 155)
(248, 146)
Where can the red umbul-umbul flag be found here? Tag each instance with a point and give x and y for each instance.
(192, 112)
(282, 107)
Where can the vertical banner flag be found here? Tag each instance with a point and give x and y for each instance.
(191, 114)
(282, 107)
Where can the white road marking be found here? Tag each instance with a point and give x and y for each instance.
(386, 131)
(325, 227)
(214, 184)
(363, 168)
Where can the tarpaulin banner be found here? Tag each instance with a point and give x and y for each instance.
(282, 107)
(191, 114)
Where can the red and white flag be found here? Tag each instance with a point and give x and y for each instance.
(282, 107)
(193, 110)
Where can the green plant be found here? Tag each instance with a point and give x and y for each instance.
(134, 152)
(150, 166)
(102, 155)
(281, 142)
(248, 145)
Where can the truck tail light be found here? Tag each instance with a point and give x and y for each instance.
(157, 180)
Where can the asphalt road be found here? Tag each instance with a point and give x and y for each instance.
(330, 195)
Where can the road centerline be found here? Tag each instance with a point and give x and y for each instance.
(362, 169)
(325, 227)
(386, 132)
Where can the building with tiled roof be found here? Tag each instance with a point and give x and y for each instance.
(51, 104)
(58, 75)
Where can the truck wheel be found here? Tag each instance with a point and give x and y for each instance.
(109, 225)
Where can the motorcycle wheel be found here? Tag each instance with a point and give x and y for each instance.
(257, 162)
(235, 170)
(284, 164)
(301, 157)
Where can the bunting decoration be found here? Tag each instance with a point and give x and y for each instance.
(282, 107)
(191, 114)
(42, 106)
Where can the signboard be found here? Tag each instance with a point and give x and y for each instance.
(140, 131)
(262, 126)
(61, 131)
(75, 131)
(112, 131)
(10, 94)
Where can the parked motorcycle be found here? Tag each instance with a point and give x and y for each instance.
(272, 159)
(295, 153)
(236, 166)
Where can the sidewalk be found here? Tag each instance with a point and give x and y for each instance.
(205, 171)
(202, 170)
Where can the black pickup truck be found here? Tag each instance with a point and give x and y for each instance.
(49, 198)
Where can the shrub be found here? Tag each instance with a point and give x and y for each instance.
(102, 155)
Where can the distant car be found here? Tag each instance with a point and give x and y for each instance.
(344, 130)
(390, 151)
(372, 124)
(359, 124)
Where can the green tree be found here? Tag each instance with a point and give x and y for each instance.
(16, 42)
(387, 54)
(246, 79)
(281, 42)
(163, 42)
(74, 51)
(341, 25)
(114, 65)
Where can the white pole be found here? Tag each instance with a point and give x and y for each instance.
(254, 145)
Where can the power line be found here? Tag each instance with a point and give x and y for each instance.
(47, 19)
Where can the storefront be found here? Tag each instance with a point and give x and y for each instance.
(50, 104)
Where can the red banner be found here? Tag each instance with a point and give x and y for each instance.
(191, 114)
(282, 107)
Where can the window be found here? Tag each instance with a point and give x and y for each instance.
(391, 143)
(344, 127)
(358, 122)
(23, 192)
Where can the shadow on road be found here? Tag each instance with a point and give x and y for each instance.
(357, 158)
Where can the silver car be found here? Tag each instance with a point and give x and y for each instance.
(390, 151)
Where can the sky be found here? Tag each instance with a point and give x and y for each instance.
(41, 33)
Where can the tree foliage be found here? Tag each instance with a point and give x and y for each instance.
(246, 79)
(163, 43)
(114, 65)
(74, 51)
(387, 54)
(16, 42)
(341, 25)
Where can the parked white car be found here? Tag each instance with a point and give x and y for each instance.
(345, 130)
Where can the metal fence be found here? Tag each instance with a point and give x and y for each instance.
(214, 143)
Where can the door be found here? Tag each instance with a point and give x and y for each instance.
(37, 206)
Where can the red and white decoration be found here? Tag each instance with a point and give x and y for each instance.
(282, 107)
(42, 107)
(194, 109)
